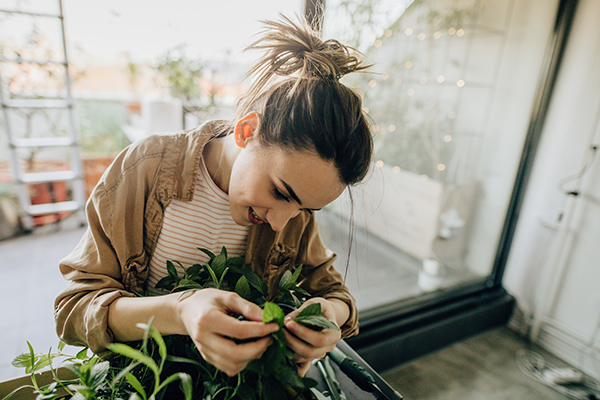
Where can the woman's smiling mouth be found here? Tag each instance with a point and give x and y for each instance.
(253, 218)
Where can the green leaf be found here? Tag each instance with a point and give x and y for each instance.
(209, 253)
(61, 345)
(32, 359)
(162, 347)
(82, 355)
(288, 376)
(22, 361)
(212, 275)
(172, 270)
(135, 383)
(273, 313)
(257, 283)
(167, 283)
(219, 263)
(236, 262)
(295, 276)
(43, 360)
(316, 322)
(186, 384)
(194, 271)
(272, 389)
(285, 279)
(311, 309)
(127, 351)
(188, 284)
(99, 374)
(242, 287)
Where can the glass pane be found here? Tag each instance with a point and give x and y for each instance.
(449, 98)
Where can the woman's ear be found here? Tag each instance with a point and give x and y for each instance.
(246, 128)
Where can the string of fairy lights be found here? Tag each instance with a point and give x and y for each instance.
(411, 91)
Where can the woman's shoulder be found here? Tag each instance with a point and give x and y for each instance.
(146, 156)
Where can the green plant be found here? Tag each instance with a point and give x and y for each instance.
(145, 369)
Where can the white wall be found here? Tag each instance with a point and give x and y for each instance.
(560, 293)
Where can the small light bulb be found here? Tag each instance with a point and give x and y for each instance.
(396, 169)
(460, 83)
(410, 92)
(441, 78)
(388, 33)
(372, 83)
(408, 64)
(378, 43)
(423, 80)
(392, 128)
(379, 163)
(421, 36)
(437, 35)
(408, 31)
(448, 138)
(452, 31)
(441, 167)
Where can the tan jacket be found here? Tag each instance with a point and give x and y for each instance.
(125, 214)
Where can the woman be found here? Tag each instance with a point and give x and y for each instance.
(298, 139)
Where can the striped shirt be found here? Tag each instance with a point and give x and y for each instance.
(204, 222)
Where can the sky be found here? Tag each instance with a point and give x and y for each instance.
(107, 29)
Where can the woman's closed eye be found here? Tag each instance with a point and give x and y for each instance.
(279, 195)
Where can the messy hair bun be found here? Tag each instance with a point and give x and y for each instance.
(302, 104)
(296, 48)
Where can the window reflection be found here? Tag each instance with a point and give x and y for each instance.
(428, 218)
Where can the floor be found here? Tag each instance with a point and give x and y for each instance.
(30, 281)
(482, 367)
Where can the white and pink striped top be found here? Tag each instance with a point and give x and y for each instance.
(204, 222)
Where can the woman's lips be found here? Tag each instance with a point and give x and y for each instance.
(254, 219)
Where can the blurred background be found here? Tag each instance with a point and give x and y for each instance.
(479, 208)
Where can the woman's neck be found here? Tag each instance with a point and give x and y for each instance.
(219, 155)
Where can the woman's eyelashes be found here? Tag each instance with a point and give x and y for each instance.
(280, 196)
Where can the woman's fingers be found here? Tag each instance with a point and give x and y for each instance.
(230, 357)
(308, 344)
(210, 319)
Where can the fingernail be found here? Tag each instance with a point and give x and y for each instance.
(287, 319)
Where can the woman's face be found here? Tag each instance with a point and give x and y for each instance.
(270, 185)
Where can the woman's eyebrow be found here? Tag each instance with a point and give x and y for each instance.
(291, 192)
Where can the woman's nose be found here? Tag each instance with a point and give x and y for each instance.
(279, 217)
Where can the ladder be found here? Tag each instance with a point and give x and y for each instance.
(19, 144)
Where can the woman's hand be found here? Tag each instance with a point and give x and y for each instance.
(308, 344)
(209, 319)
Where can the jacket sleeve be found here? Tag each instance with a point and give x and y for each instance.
(320, 278)
(109, 262)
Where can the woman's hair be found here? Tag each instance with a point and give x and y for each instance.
(301, 102)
